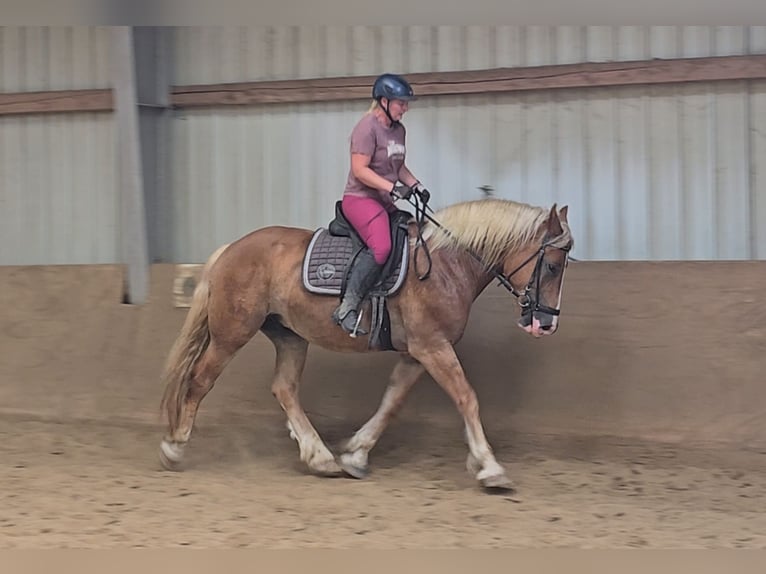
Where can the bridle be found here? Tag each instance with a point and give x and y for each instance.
(527, 302)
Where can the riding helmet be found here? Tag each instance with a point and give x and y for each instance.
(393, 87)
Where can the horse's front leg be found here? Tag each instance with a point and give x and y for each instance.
(356, 450)
(444, 366)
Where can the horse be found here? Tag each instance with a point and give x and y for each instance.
(255, 284)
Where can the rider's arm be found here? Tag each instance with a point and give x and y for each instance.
(360, 167)
(406, 177)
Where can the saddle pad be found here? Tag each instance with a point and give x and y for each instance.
(327, 257)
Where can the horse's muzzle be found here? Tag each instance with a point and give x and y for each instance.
(538, 324)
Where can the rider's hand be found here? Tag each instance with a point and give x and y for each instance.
(401, 192)
(424, 194)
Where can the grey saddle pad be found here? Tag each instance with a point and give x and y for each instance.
(327, 257)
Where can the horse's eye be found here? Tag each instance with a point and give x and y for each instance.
(552, 268)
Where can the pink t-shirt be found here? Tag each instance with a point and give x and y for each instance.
(385, 146)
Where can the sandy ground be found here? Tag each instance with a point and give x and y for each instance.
(78, 483)
(72, 476)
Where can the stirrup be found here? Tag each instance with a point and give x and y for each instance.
(356, 329)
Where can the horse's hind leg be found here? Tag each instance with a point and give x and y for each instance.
(357, 449)
(208, 369)
(291, 359)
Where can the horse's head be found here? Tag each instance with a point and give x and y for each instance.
(536, 273)
(524, 247)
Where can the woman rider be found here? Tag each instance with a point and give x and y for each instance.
(377, 165)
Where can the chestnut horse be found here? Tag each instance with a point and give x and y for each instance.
(255, 284)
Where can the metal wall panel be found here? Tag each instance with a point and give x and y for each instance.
(37, 58)
(658, 172)
(57, 190)
(57, 171)
(757, 156)
(213, 54)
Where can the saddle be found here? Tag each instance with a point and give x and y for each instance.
(331, 254)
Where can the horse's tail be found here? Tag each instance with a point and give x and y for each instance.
(191, 343)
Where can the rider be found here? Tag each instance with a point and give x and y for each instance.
(377, 165)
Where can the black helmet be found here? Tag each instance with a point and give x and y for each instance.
(393, 87)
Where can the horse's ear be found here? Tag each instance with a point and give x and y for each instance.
(563, 213)
(554, 224)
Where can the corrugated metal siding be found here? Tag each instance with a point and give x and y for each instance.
(57, 190)
(37, 58)
(757, 157)
(213, 54)
(660, 172)
(57, 172)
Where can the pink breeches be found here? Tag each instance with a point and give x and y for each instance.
(370, 219)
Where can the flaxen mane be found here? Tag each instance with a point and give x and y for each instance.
(489, 226)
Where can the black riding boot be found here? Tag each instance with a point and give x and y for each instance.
(364, 274)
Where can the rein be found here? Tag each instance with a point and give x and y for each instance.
(420, 221)
(524, 299)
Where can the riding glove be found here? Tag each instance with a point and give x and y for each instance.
(424, 194)
(401, 191)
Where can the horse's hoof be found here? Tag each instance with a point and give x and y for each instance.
(327, 469)
(170, 457)
(353, 464)
(354, 471)
(498, 484)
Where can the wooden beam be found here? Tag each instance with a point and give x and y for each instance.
(56, 102)
(587, 75)
(498, 80)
